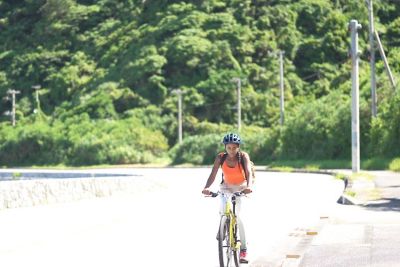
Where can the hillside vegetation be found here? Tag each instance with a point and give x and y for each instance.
(107, 69)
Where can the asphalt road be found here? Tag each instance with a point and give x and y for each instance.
(170, 225)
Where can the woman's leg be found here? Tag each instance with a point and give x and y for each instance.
(222, 205)
(242, 233)
(232, 189)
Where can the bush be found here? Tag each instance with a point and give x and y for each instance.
(395, 165)
(197, 149)
(322, 129)
(375, 163)
(29, 144)
(81, 141)
(385, 130)
(260, 143)
(115, 142)
(264, 145)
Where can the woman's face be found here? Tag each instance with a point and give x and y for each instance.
(232, 149)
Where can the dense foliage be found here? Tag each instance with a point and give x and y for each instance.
(107, 69)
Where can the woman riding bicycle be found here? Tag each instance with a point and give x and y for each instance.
(235, 166)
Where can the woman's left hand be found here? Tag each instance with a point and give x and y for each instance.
(247, 190)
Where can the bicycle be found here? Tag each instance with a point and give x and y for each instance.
(228, 242)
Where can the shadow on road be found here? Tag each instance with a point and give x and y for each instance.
(384, 204)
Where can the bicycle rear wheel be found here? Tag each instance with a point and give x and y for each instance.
(228, 256)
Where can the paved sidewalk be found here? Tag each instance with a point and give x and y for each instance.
(365, 231)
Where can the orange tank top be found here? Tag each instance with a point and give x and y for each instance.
(234, 176)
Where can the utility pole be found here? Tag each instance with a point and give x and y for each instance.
(281, 87)
(355, 114)
(179, 92)
(37, 88)
(239, 109)
(13, 92)
(372, 58)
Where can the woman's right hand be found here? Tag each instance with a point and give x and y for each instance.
(206, 191)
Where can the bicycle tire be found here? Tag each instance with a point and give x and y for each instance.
(227, 254)
(236, 252)
(223, 242)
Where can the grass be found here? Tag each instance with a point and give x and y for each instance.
(340, 176)
(282, 168)
(350, 193)
(102, 166)
(16, 176)
(376, 163)
(311, 164)
(279, 165)
(312, 167)
(361, 175)
(162, 162)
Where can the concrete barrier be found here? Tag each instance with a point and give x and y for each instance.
(25, 193)
(28, 175)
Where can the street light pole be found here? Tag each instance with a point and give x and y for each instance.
(239, 109)
(13, 92)
(179, 92)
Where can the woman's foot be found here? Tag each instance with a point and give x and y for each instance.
(243, 256)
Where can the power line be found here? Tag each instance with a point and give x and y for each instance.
(372, 57)
(387, 67)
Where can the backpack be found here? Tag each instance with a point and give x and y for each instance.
(223, 156)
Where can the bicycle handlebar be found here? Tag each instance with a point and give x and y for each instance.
(238, 194)
(213, 194)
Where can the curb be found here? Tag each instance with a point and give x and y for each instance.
(327, 172)
(303, 239)
(349, 184)
(306, 240)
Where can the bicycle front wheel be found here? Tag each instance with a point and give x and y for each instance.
(228, 255)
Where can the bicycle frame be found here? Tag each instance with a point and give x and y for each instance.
(232, 246)
(231, 214)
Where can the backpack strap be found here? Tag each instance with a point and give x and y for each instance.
(242, 162)
(222, 157)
